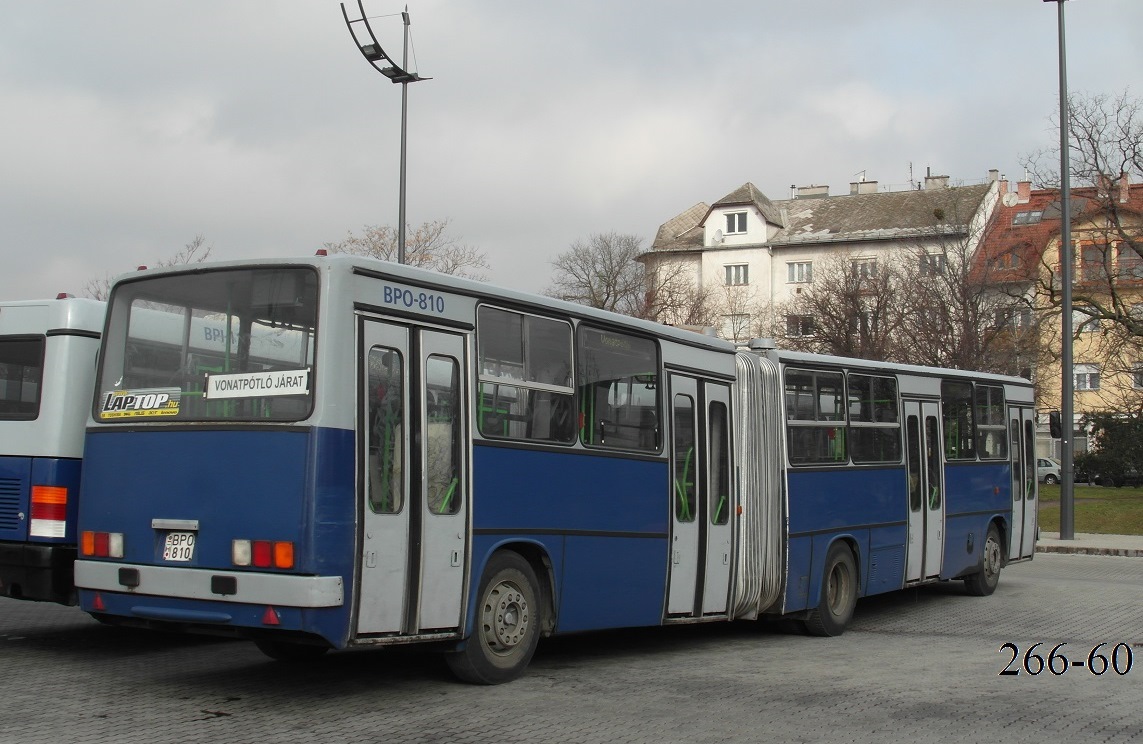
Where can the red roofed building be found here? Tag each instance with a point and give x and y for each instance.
(1020, 257)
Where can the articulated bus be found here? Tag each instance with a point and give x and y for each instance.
(438, 461)
(48, 350)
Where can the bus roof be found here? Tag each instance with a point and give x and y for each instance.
(796, 357)
(346, 263)
(22, 317)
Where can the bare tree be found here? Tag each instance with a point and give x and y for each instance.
(602, 272)
(673, 296)
(195, 251)
(428, 247)
(607, 272)
(740, 308)
(854, 308)
(1105, 136)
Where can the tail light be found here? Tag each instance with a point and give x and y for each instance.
(262, 553)
(49, 512)
(101, 544)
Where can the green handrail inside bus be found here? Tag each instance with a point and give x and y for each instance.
(682, 489)
(718, 510)
(446, 502)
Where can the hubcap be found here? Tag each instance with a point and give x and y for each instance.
(506, 618)
(991, 557)
(837, 592)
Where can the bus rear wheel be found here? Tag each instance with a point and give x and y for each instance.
(983, 582)
(507, 624)
(839, 594)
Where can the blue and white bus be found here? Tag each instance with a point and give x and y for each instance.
(48, 350)
(428, 459)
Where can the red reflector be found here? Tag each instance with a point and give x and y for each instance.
(97, 603)
(101, 540)
(270, 617)
(57, 512)
(322, 252)
(262, 553)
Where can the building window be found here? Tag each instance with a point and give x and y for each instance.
(1013, 318)
(735, 223)
(799, 325)
(735, 327)
(1027, 218)
(1093, 262)
(1086, 376)
(864, 268)
(861, 323)
(1007, 260)
(1129, 264)
(800, 272)
(1085, 320)
(933, 319)
(737, 275)
(932, 263)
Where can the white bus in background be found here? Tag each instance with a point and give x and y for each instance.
(48, 351)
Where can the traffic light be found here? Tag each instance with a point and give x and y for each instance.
(1054, 425)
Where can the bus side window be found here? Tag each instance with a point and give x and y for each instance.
(386, 399)
(618, 375)
(815, 417)
(442, 435)
(525, 366)
(720, 464)
(913, 436)
(684, 457)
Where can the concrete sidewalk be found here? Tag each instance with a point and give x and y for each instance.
(1090, 544)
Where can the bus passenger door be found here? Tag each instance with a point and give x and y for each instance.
(1022, 452)
(701, 499)
(412, 479)
(925, 471)
(719, 500)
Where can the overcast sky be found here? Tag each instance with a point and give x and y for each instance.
(128, 127)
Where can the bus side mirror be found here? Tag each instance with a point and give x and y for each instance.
(1054, 425)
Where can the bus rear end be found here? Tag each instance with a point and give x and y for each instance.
(211, 498)
(47, 365)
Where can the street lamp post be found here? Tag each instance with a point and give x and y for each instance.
(1067, 413)
(371, 49)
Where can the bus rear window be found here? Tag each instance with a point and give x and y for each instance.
(21, 371)
(225, 345)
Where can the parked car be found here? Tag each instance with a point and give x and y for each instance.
(1128, 476)
(1100, 471)
(1047, 471)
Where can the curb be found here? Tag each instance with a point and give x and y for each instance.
(1081, 550)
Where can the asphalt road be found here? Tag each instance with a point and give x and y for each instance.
(916, 666)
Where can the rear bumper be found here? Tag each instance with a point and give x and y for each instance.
(38, 572)
(239, 587)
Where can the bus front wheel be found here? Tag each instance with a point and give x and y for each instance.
(507, 624)
(838, 596)
(983, 582)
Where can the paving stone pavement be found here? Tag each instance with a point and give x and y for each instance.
(920, 665)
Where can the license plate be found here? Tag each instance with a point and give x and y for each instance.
(179, 546)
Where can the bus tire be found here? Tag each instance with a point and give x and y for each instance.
(290, 652)
(983, 582)
(838, 595)
(507, 624)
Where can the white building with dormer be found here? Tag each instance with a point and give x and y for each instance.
(753, 254)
